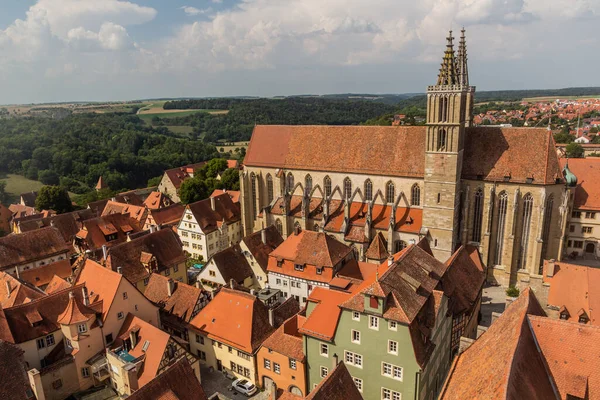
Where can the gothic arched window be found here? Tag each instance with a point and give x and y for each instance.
(368, 190)
(477, 216)
(546, 228)
(441, 142)
(289, 182)
(502, 208)
(327, 186)
(347, 188)
(279, 226)
(269, 188)
(415, 195)
(390, 192)
(399, 245)
(525, 230)
(308, 184)
(253, 189)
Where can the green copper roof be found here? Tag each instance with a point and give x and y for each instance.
(570, 177)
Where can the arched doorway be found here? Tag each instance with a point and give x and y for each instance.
(267, 382)
(590, 248)
(296, 391)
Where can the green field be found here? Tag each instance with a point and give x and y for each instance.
(552, 98)
(181, 130)
(17, 184)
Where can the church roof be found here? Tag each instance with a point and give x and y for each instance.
(491, 153)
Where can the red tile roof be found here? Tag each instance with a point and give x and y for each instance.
(178, 175)
(234, 194)
(20, 292)
(139, 213)
(209, 219)
(399, 151)
(235, 318)
(94, 237)
(378, 248)
(287, 340)
(572, 353)
(464, 279)
(76, 312)
(323, 319)
(587, 192)
(232, 264)
(102, 284)
(42, 275)
(261, 250)
(30, 246)
(156, 200)
(183, 301)
(504, 363)
(15, 382)
(56, 284)
(575, 288)
(170, 215)
(178, 382)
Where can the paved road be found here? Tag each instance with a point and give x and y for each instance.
(492, 300)
(216, 382)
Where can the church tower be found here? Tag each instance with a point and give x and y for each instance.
(449, 105)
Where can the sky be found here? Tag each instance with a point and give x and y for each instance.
(100, 50)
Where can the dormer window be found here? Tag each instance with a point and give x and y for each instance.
(299, 267)
(564, 315)
(319, 270)
(583, 319)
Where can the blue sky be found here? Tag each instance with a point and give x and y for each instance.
(77, 50)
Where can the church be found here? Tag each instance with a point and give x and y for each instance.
(380, 188)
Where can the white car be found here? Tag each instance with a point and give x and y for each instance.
(243, 386)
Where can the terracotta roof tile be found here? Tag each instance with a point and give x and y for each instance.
(76, 312)
(323, 319)
(261, 250)
(207, 218)
(464, 279)
(156, 200)
(139, 213)
(232, 264)
(56, 284)
(20, 292)
(234, 194)
(28, 199)
(15, 382)
(68, 224)
(311, 248)
(182, 303)
(42, 275)
(235, 318)
(338, 385)
(30, 246)
(399, 151)
(178, 382)
(95, 238)
(287, 340)
(178, 175)
(587, 192)
(102, 284)
(170, 215)
(378, 248)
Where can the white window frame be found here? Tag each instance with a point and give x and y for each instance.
(395, 344)
(50, 340)
(85, 372)
(396, 368)
(277, 368)
(359, 383)
(120, 315)
(82, 328)
(392, 325)
(355, 316)
(373, 322)
(293, 364)
(323, 371)
(352, 332)
(384, 368)
(351, 358)
(267, 364)
(389, 394)
(326, 347)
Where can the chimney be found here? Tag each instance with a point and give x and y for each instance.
(152, 228)
(8, 286)
(212, 294)
(212, 203)
(104, 252)
(128, 236)
(272, 317)
(86, 297)
(335, 360)
(113, 199)
(231, 283)
(198, 285)
(157, 228)
(263, 236)
(252, 292)
(71, 295)
(390, 260)
(52, 223)
(170, 287)
(297, 230)
(120, 270)
(550, 268)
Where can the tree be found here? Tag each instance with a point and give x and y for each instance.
(192, 190)
(53, 198)
(3, 195)
(563, 137)
(48, 177)
(574, 150)
(154, 181)
(230, 179)
(215, 166)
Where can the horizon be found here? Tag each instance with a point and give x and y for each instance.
(61, 51)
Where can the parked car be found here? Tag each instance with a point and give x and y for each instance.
(243, 386)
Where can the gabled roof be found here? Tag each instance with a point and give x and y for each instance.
(15, 382)
(490, 152)
(311, 248)
(30, 246)
(153, 353)
(138, 213)
(260, 251)
(102, 284)
(574, 287)
(232, 264)
(156, 200)
(504, 363)
(464, 279)
(68, 224)
(587, 192)
(94, 228)
(338, 385)
(181, 303)
(169, 215)
(378, 248)
(209, 219)
(234, 194)
(235, 318)
(28, 199)
(163, 244)
(323, 319)
(178, 382)
(287, 340)
(42, 275)
(56, 284)
(20, 292)
(178, 175)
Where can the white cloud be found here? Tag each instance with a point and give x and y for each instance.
(193, 11)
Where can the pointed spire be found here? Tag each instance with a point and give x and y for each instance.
(448, 71)
(461, 60)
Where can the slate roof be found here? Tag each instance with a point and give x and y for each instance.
(163, 244)
(232, 264)
(337, 385)
(260, 251)
(235, 318)
(181, 303)
(504, 363)
(490, 152)
(209, 219)
(30, 246)
(178, 382)
(14, 384)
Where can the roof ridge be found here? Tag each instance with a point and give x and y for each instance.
(51, 295)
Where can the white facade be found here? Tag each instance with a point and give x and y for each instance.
(36, 264)
(298, 288)
(203, 245)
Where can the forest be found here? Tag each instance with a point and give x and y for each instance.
(76, 150)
